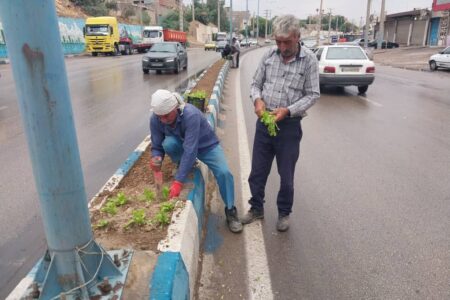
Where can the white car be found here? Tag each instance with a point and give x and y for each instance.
(345, 65)
(440, 60)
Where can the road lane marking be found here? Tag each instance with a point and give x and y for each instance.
(370, 101)
(260, 286)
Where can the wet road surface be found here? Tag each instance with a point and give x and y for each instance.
(110, 99)
(371, 210)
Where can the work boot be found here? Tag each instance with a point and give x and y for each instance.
(252, 215)
(232, 220)
(283, 223)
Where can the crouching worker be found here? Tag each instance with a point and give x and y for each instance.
(181, 131)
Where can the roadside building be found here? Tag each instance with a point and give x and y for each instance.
(419, 27)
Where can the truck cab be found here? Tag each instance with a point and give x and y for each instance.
(102, 35)
(152, 35)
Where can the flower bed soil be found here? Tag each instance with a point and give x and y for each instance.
(116, 231)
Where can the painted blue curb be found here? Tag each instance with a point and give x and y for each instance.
(131, 160)
(196, 196)
(170, 280)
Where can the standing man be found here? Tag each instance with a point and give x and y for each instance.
(286, 84)
(181, 131)
(236, 51)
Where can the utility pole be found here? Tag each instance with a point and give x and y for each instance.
(193, 10)
(231, 20)
(218, 14)
(366, 27)
(320, 23)
(267, 17)
(381, 28)
(247, 15)
(337, 27)
(257, 23)
(329, 26)
(74, 263)
(181, 16)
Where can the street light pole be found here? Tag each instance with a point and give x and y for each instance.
(381, 29)
(193, 10)
(329, 26)
(257, 23)
(218, 14)
(181, 16)
(247, 15)
(320, 23)
(366, 27)
(231, 20)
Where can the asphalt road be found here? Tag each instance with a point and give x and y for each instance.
(372, 193)
(110, 99)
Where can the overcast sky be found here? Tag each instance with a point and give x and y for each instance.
(351, 9)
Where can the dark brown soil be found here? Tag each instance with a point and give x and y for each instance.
(209, 79)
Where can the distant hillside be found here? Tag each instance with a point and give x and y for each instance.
(65, 8)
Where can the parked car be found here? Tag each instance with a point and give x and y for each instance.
(310, 43)
(440, 60)
(253, 42)
(345, 65)
(220, 45)
(210, 46)
(384, 44)
(165, 56)
(245, 42)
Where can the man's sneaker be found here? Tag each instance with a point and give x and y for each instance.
(232, 220)
(283, 223)
(252, 215)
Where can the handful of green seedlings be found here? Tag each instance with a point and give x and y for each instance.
(269, 120)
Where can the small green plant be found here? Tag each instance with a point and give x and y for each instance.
(167, 207)
(102, 224)
(147, 196)
(198, 94)
(269, 120)
(162, 218)
(120, 199)
(110, 208)
(137, 218)
(165, 193)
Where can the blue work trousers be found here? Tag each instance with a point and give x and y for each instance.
(285, 147)
(216, 162)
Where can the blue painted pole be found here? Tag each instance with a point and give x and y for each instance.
(36, 55)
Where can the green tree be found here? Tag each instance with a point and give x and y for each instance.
(172, 21)
(146, 18)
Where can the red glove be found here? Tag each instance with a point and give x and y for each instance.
(175, 189)
(156, 163)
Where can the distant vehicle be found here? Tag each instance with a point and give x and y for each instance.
(345, 65)
(210, 46)
(221, 36)
(359, 42)
(220, 45)
(128, 43)
(384, 44)
(165, 56)
(157, 34)
(245, 42)
(267, 41)
(310, 43)
(253, 42)
(101, 35)
(440, 60)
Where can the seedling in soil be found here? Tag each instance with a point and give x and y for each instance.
(102, 224)
(165, 193)
(137, 218)
(120, 199)
(110, 208)
(167, 207)
(269, 120)
(162, 218)
(147, 196)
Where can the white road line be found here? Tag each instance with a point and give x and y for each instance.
(258, 274)
(371, 101)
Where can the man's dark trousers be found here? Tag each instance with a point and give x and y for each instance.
(285, 147)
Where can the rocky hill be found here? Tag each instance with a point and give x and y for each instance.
(65, 8)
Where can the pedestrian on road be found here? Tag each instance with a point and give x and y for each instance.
(286, 84)
(180, 130)
(235, 51)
